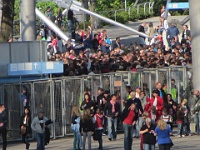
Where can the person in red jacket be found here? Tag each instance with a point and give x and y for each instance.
(156, 104)
(129, 119)
(98, 120)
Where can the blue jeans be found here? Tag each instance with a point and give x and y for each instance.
(40, 137)
(196, 121)
(149, 146)
(138, 126)
(180, 128)
(70, 27)
(99, 132)
(128, 130)
(112, 127)
(77, 140)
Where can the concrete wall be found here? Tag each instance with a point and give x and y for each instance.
(18, 52)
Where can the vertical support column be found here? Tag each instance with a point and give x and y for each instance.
(195, 35)
(27, 20)
(166, 9)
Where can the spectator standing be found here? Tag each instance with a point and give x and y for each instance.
(147, 130)
(180, 121)
(87, 128)
(150, 31)
(162, 11)
(59, 17)
(187, 115)
(49, 14)
(3, 122)
(112, 111)
(107, 98)
(87, 103)
(137, 92)
(196, 110)
(54, 44)
(25, 97)
(98, 120)
(161, 92)
(169, 105)
(129, 120)
(141, 29)
(38, 126)
(144, 99)
(163, 132)
(172, 31)
(25, 127)
(101, 101)
(157, 103)
(167, 118)
(117, 43)
(70, 17)
(186, 33)
(95, 42)
(77, 144)
(138, 110)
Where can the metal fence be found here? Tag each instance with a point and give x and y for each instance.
(57, 96)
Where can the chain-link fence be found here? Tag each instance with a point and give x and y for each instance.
(73, 96)
(57, 109)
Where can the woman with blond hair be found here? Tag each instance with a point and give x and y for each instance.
(87, 127)
(163, 131)
(76, 128)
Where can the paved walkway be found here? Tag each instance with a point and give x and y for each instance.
(187, 143)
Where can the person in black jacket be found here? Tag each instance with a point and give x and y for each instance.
(70, 16)
(139, 112)
(141, 29)
(87, 127)
(101, 100)
(117, 43)
(112, 111)
(3, 122)
(59, 17)
(149, 140)
(161, 93)
(87, 103)
(186, 33)
(129, 120)
(26, 124)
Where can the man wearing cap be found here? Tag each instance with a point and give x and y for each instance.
(38, 125)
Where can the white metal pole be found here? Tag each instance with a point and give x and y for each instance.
(110, 21)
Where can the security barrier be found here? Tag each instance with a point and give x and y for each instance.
(57, 96)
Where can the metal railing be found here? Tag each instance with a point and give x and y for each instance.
(150, 6)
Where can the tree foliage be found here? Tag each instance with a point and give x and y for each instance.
(41, 5)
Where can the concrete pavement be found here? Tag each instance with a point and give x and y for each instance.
(186, 143)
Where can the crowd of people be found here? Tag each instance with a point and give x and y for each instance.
(141, 116)
(94, 52)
